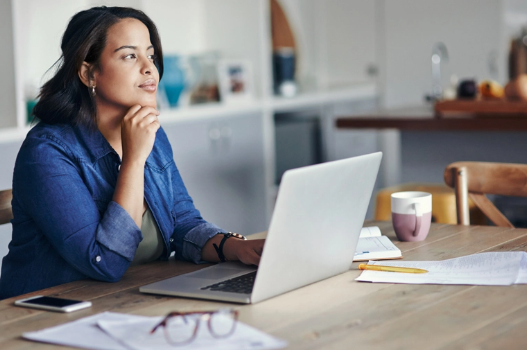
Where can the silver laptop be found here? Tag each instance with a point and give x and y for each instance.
(313, 233)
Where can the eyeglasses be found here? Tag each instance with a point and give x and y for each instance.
(181, 328)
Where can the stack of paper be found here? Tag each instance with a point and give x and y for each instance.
(114, 331)
(373, 246)
(493, 268)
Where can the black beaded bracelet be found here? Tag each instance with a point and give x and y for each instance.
(226, 236)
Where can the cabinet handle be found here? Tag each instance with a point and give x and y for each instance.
(214, 134)
(372, 70)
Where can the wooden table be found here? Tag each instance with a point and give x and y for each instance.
(337, 313)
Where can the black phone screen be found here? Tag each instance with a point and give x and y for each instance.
(50, 301)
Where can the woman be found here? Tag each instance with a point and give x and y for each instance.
(95, 187)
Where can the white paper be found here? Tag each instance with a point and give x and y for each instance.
(493, 268)
(136, 335)
(83, 333)
(372, 231)
(87, 333)
(522, 275)
(370, 248)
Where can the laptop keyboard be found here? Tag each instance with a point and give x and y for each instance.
(242, 284)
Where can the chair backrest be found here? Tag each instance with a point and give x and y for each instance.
(6, 214)
(475, 179)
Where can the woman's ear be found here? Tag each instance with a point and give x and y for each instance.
(85, 74)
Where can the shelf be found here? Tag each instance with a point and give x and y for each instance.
(275, 104)
(210, 110)
(316, 98)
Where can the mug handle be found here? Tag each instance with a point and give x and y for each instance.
(418, 218)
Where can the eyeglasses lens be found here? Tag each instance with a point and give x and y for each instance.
(181, 329)
(222, 323)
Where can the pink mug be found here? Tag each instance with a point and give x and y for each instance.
(411, 215)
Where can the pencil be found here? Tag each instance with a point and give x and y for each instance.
(391, 268)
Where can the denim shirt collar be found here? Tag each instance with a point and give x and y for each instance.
(96, 145)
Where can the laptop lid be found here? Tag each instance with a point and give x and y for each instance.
(316, 222)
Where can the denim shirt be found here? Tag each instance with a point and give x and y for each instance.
(66, 226)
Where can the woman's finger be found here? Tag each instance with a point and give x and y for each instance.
(259, 246)
(144, 111)
(147, 120)
(154, 126)
(255, 258)
(132, 111)
(250, 257)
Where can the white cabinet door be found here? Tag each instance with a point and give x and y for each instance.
(350, 41)
(221, 161)
(336, 41)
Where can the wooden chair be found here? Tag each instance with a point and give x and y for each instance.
(6, 213)
(475, 179)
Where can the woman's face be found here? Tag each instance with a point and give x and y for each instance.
(127, 75)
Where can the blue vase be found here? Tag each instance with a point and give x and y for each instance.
(173, 80)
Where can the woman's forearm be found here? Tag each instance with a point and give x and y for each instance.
(129, 191)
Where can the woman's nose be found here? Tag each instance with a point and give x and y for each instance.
(147, 66)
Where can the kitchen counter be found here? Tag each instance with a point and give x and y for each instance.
(424, 118)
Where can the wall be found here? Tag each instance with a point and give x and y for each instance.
(515, 17)
(470, 29)
(169, 15)
(7, 83)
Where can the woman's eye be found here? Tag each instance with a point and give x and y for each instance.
(132, 55)
(152, 57)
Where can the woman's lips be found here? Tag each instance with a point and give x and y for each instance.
(149, 85)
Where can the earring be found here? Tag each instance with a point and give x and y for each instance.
(93, 93)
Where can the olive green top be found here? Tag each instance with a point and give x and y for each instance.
(152, 245)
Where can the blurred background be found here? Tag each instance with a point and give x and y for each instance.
(253, 88)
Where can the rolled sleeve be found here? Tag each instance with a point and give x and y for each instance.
(196, 238)
(114, 231)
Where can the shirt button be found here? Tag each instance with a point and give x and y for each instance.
(171, 240)
(98, 258)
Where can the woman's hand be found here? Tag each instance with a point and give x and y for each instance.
(138, 133)
(248, 252)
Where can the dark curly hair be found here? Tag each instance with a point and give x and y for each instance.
(64, 98)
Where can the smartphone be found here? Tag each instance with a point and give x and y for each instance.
(53, 304)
